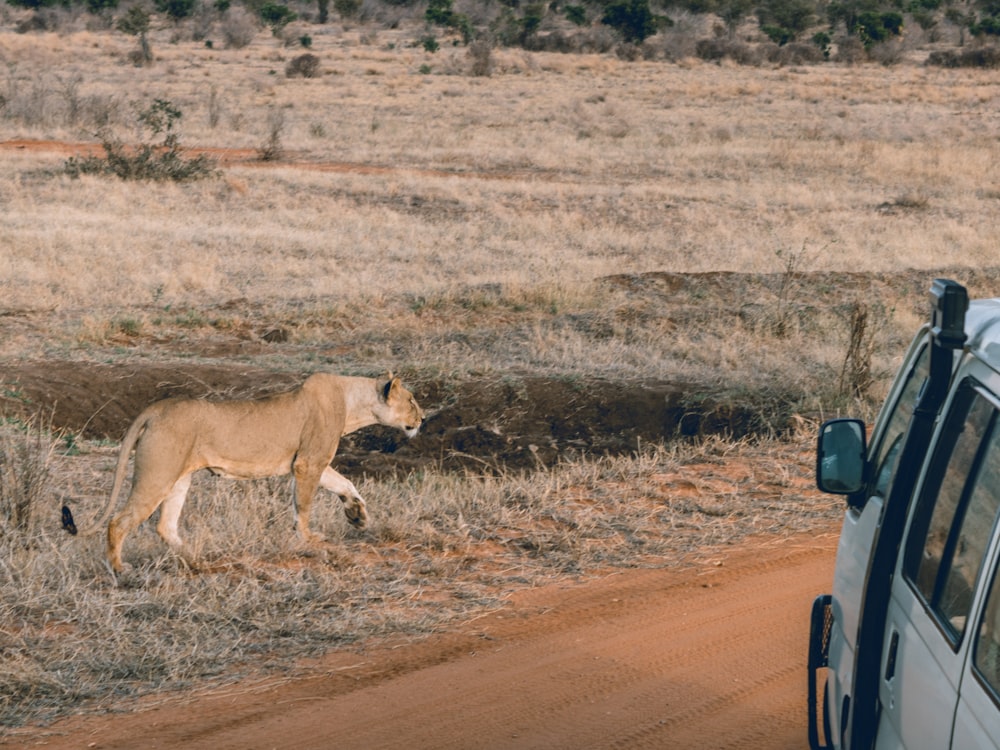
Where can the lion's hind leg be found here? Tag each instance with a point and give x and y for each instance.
(142, 501)
(354, 505)
(170, 513)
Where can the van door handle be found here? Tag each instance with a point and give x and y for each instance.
(890, 662)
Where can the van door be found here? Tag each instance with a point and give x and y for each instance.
(858, 532)
(977, 722)
(933, 591)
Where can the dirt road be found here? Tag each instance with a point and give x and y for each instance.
(707, 657)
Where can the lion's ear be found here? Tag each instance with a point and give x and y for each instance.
(390, 382)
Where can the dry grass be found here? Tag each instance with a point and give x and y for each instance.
(655, 167)
(415, 213)
(440, 549)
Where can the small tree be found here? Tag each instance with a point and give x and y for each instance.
(136, 23)
(576, 14)
(101, 7)
(147, 161)
(440, 13)
(276, 16)
(347, 8)
(632, 18)
(176, 9)
(877, 27)
(784, 20)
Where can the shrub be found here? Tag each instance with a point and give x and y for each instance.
(576, 14)
(784, 20)
(873, 27)
(975, 57)
(988, 25)
(99, 7)
(147, 161)
(823, 40)
(481, 52)
(40, 20)
(306, 66)
(721, 48)
(175, 9)
(850, 50)
(440, 13)
(887, 53)
(799, 53)
(347, 8)
(238, 28)
(136, 23)
(632, 18)
(276, 16)
(271, 149)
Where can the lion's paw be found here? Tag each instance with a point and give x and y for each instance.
(357, 516)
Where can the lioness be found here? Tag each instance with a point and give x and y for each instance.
(295, 432)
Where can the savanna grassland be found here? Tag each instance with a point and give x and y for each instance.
(754, 239)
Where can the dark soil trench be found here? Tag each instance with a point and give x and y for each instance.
(514, 422)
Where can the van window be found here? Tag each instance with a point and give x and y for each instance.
(956, 511)
(887, 453)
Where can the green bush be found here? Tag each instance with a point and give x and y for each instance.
(347, 8)
(873, 27)
(176, 9)
(989, 25)
(440, 13)
(576, 14)
(784, 20)
(632, 18)
(97, 7)
(147, 161)
(276, 16)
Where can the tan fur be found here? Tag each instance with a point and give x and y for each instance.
(295, 432)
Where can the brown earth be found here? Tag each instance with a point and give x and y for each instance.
(694, 658)
(518, 422)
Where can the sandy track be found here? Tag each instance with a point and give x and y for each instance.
(696, 658)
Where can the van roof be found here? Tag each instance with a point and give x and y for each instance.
(982, 324)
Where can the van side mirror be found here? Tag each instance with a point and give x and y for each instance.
(840, 456)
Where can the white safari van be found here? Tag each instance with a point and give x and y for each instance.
(906, 650)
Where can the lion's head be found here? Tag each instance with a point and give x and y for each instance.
(397, 406)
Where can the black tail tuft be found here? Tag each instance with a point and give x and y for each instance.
(67, 520)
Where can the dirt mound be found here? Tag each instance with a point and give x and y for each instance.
(516, 422)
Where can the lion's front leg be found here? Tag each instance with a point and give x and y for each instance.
(304, 483)
(354, 505)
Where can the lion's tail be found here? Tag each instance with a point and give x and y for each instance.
(128, 443)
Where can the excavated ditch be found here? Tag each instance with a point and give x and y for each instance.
(515, 422)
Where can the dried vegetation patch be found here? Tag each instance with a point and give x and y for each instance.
(441, 548)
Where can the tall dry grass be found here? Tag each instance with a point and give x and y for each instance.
(464, 224)
(607, 166)
(440, 549)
